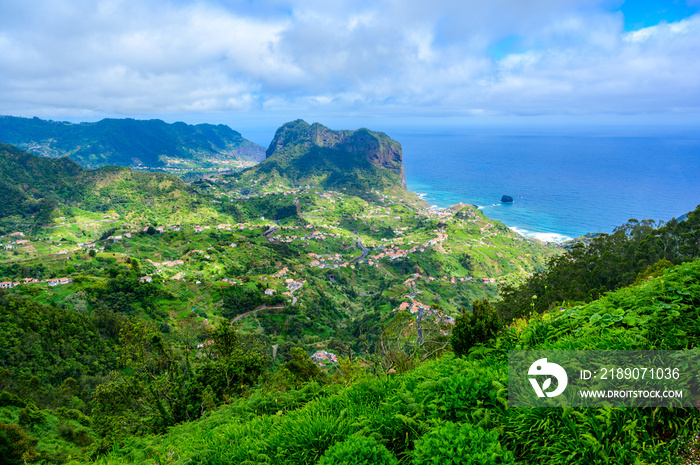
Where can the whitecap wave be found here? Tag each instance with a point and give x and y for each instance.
(542, 236)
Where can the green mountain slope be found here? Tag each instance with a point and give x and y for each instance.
(35, 189)
(129, 142)
(26, 180)
(455, 410)
(302, 154)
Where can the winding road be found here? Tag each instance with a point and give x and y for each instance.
(365, 250)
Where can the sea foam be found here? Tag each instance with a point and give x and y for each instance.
(542, 236)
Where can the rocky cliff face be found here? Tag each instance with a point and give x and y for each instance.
(298, 137)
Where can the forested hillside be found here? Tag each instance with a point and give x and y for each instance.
(150, 144)
(455, 410)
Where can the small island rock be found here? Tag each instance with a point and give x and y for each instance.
(507, 199)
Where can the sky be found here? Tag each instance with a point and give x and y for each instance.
(259, 63)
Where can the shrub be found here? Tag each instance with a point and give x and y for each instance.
(74, 414)
(31, 415)
(10, 400)
(15, 445)
(358, 450)
(79, 436)
(307, 434)
(479, 326)
(301, 366)
(461, 444)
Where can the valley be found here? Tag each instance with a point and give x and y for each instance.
(301, 302)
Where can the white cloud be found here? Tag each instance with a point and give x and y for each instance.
(390, 57)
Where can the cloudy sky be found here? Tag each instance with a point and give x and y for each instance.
(260, 62)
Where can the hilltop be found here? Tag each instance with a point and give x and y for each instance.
(301, 154)
(35, 190)
(147, 144)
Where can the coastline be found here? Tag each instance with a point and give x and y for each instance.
(564, 185)
(544, 236)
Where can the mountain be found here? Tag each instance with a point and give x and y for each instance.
(130, 142)
(359, 160)
(34, 189)
(26, 180)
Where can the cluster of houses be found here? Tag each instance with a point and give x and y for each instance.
(51, 282)
(293, 285)
(415, 307)
(394, 252)
(439, 213)
(319, 235)
(11, 245)
(170, 263)
(281, 273)
(332, 261)
(323, 357)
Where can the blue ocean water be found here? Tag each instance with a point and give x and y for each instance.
(565, 182)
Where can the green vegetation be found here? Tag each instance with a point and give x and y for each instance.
(300, 154)
(454, 410)
(178, 148)
(634, 251)
(147, 320)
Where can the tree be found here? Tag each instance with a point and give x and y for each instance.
(301, 366)
(478, 326)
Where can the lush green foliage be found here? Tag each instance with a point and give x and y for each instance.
(41, 346)
(608, 262)
(165, 387)
(453, 444)
(32, 185)
(15, 446)
(455, 408)
(358, 450)
(478, 326)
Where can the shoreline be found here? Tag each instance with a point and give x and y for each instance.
(544, 236)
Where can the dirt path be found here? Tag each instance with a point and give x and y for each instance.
(262, 307)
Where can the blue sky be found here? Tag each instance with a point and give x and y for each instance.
(645, 13)
(380, 63)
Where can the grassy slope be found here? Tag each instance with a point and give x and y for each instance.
(400, 410)
(35, 191)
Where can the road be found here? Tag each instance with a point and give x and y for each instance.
(365, 250)
(262, 307)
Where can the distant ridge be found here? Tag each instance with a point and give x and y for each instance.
(128, 142)
(313, 154)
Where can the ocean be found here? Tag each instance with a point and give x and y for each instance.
(565, 182)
